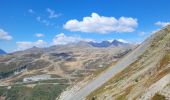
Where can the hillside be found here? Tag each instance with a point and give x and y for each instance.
(57, 66)
(146, 78)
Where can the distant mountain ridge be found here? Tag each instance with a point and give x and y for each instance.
(107, 43)
(2, 52)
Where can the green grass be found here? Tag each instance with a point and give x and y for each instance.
(18, 93)
(55, 81)
(47, 92)
(3, 90)
(39, 92)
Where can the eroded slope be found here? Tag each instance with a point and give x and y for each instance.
(146, 78)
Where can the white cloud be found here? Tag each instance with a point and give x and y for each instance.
(43, 21)
(26, 45)
(62, 39)
(101, 24)
(4, 35)
(162, 24)
(122, 40)
(52, 13)
(39, 35)
(31, 11)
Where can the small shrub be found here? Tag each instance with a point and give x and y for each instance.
(158, 96)
(136, 80)
(93, 98)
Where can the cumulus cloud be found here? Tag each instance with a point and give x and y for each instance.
(26, 45)
(52, 13)
(162, 24)
(4, 35)
(39, 35)
(101, 24)
(62, 39)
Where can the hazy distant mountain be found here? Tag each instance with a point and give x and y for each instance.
(2, 52)
(108, 43)
(77, 53)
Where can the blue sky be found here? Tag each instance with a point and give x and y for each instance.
(27, 23)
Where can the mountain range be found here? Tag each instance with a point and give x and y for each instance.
(108, 43)
(2, 52)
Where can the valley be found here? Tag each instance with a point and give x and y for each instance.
(57, 65)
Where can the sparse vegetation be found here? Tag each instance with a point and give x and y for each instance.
(3, 90)
(126, 92)
(165, 60)
(47, 92)
(93, 98)
(55, 81)
(39, 92)
(136, 80)
(18, 92)
(158, 96)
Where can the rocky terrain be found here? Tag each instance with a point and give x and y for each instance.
(146, 77)
(26, 73)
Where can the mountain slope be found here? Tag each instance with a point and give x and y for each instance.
(2, 52)
(147, 77)
(101, 79)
